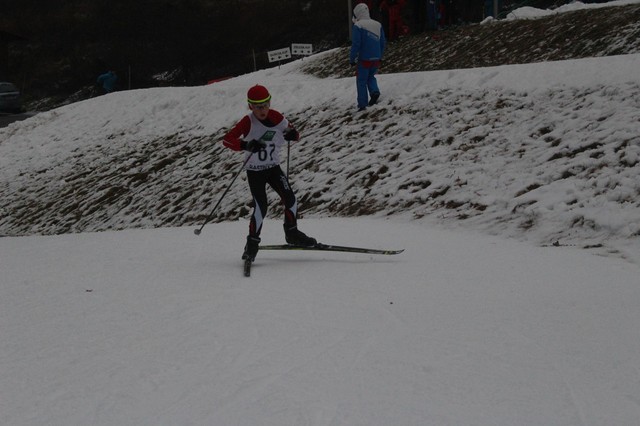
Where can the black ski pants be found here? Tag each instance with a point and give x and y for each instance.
(277, 180)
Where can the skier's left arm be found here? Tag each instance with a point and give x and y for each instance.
(291, 134)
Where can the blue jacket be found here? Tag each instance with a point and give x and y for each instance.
(108, 81)
(367, 36)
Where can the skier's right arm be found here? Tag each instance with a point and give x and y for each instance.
(233, 139)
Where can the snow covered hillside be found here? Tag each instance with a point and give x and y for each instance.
(548, 152)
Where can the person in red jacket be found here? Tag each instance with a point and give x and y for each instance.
(394, 10)
(261, 134)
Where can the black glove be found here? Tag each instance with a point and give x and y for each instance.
(254, 145)
(291, 134)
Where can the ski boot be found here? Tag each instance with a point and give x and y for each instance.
(295, 237)
(251, 248)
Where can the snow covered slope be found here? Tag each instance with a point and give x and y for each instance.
(547, 152)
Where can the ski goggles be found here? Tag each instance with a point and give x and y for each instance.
(262, 106)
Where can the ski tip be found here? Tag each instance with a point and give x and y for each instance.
(396, 251)
(389, 252)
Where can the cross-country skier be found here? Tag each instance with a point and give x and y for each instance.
(262, 133)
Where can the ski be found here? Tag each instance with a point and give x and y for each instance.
(247, 267)
(330, 247)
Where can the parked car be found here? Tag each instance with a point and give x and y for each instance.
(10, 99)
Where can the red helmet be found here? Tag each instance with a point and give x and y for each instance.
(258, 95)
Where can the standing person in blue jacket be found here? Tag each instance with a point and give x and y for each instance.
(367, 46)
(108, 81)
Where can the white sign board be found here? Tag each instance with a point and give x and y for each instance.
(301, 49)
(280, 54)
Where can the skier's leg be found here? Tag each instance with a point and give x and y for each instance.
(257, 184)
(279, 182)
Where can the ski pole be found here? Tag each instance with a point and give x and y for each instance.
(197, 231)
(288, 156)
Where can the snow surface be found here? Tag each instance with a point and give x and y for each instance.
(528, 12)
(158, 326)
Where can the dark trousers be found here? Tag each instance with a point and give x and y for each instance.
(366, 83)
(277, 180)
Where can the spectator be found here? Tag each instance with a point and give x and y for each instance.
(367, 46)
(108, 81)
(419, 12)
(383, 9)
(432, 15)
(451, 13)
(442, 13)
(394, 12)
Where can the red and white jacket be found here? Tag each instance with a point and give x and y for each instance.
(271, 131)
